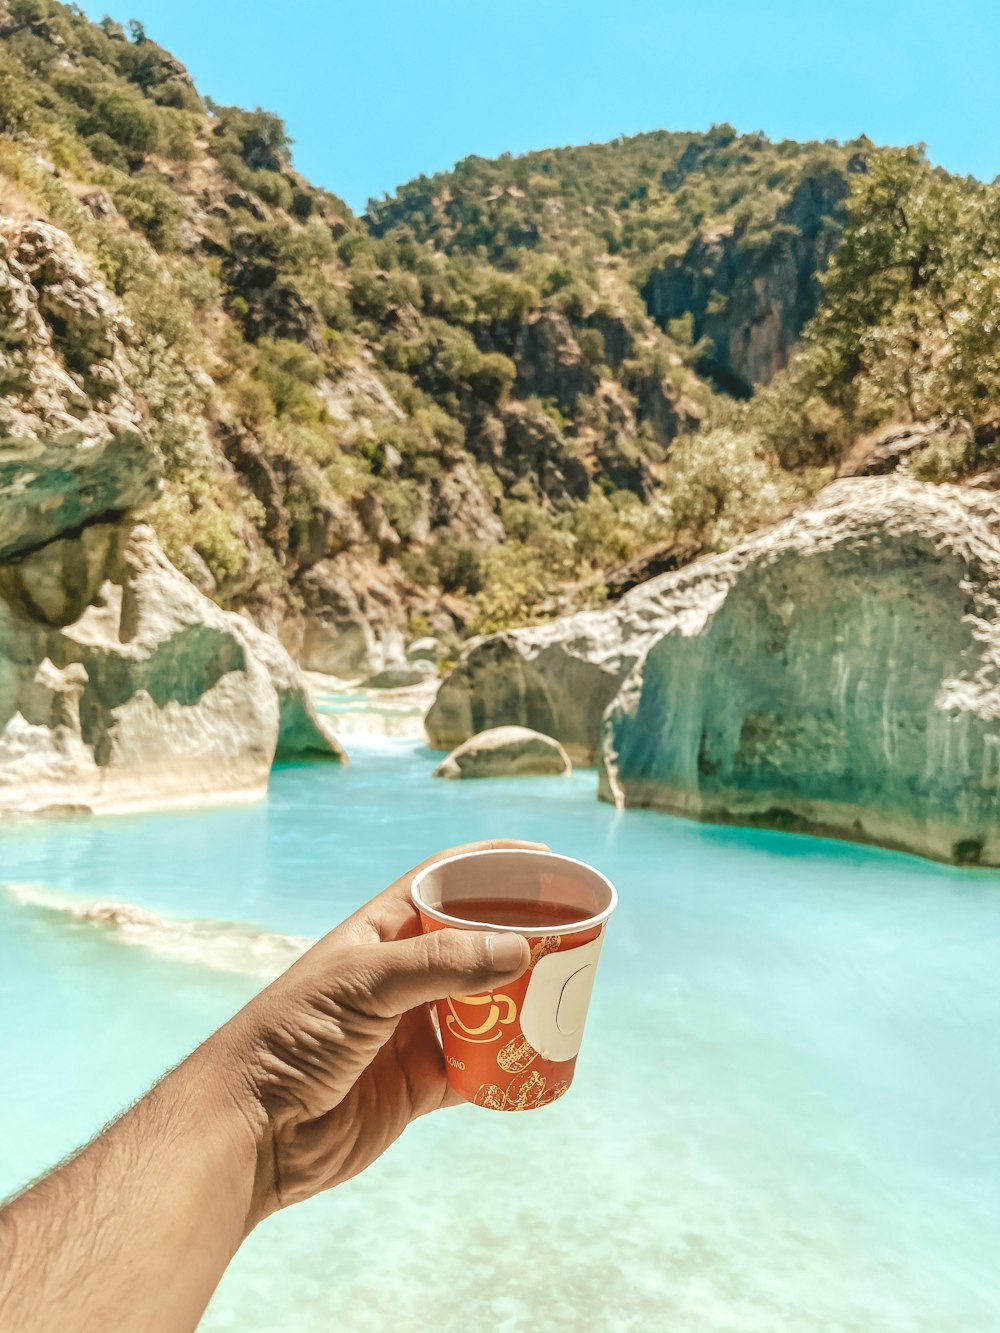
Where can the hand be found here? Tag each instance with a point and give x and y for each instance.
(334, 1059)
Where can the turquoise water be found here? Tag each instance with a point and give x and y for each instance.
(787, 1109)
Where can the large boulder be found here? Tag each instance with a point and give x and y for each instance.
(845, 680)
(837, 673)
(506, 752)
(556, 678)
(152, 696)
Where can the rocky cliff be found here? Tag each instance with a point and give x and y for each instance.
(120, 684)
(837, 673)
(750, 289)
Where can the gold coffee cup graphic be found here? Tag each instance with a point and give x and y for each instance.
(515, 1049)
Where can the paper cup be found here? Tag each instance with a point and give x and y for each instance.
(515, 1049)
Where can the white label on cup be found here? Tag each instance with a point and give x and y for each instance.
(555, 1004)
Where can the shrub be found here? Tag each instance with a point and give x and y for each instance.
(125, 117)
(724, 483)
(153, 206)
(492, 376)
(458, 562)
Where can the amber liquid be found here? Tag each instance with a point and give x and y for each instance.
(531, 915)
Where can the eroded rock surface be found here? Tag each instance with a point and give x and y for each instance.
(152, 696)
(506, 752)
(839, 672)
(121, 685)
(71, 449)
(556, 678)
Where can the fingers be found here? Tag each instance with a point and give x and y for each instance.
(391, 914)
(404, 973)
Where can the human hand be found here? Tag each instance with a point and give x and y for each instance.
(334, 1059)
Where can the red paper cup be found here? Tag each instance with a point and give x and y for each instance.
(515, 1049)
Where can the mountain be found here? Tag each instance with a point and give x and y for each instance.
(503, 382)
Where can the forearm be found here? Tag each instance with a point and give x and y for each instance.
(134, 1232)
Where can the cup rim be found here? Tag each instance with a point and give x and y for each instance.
(574, 927)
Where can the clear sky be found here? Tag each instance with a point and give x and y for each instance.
(376, 91)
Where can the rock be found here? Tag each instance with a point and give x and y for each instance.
(752, 297)
(356, 399)
(549, 361)
(838, 674)
(511, 752)
(51, 487)
(375, 523)
(611, 433)
(881, 451)
(54, 583)
(649, 563)
(613, 326)
(458, 502)
(426, 649)
(402, 677)
(522, 443)
(556, 679)
(351, 620)
(302, 732)
(663, 409)
(152, 696)
(71, 446)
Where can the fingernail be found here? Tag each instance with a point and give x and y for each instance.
(505, 951)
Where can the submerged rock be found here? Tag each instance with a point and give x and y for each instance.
(839, 673)
(506, 752)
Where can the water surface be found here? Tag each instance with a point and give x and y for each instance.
(787, 1109)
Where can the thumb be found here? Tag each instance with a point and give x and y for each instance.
(406, 973)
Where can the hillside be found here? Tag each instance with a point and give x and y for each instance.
(504, 381)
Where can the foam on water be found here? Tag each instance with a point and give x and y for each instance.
(228, 946)
(786, 1110)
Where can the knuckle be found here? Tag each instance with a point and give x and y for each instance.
(452, 951)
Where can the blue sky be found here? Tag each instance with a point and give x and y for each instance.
(376, 91)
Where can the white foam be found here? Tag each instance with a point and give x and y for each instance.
(227, 946)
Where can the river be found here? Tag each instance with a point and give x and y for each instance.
(786, 1114)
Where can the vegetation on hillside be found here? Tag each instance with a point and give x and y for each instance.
(472, 387)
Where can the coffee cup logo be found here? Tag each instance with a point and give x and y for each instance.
(480, 1018)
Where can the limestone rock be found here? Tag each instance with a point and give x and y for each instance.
(752, 297)
(506, 752)
(54, 583)
(152, 696)
(549, 361)
(302, 732)
(425, 649)
(71, 449)
(837, 672)
(556, 678)
(403, 676)
(841, 676)
(352, 616)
